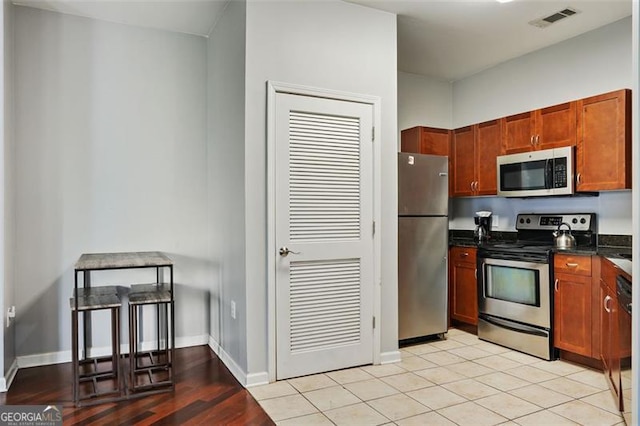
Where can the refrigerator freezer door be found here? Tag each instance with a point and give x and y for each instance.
(422, 276)
(423, 185)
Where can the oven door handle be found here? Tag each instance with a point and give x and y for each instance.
(520, 328)
(518, 257)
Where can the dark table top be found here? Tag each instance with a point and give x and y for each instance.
(97, 261)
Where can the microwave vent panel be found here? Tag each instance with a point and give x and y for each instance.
(554, 17)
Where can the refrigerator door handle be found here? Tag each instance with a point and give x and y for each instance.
(443, 174)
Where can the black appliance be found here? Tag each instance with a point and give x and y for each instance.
(483, 228)
(515, 282)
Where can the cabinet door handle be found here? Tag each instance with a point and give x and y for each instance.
(471, 185)
(464, 254)
(606, 304)
(579, 178)
(555, 285)
(531, 141)
(537, 139)
(571, 265)
(475, 273)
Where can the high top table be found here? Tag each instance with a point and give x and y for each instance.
(90, 262)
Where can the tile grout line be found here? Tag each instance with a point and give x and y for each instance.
(443, 350)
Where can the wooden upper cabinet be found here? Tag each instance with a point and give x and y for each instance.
(545, 128)
(519, 131)
(463, 159)
(425, 140)
(488, 147)
(603, 154)
(556, 126)
(473, 159)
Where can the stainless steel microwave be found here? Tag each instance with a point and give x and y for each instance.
(536, 173)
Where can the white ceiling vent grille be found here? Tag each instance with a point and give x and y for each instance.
(554, 17)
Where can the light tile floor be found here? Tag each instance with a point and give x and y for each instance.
(459, 381)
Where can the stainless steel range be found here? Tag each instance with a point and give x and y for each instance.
(515, 290)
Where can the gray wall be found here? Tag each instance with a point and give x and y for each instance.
(110, 156)
(424, 101)
(8, 187)
(226, 179)
(327, 44)
(595, 62)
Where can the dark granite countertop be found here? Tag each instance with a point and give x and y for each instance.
(614, 247)
(615, 252)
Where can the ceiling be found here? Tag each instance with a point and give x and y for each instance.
(453, 39)
(183, 16)
(444, 39)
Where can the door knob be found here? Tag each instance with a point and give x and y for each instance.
(284, 251)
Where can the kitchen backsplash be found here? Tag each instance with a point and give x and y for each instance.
(613, 210)
(614, 240)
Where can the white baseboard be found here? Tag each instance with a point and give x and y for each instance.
(390, 357)
(6, 381)
(226, 359)
(246, 380)
(60, 357)
(257, 379)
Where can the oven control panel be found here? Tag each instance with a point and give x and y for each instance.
(551, 221)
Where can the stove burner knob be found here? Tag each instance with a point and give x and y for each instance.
(583, 221)
(521, 220)
(575, 220)
(528, 220)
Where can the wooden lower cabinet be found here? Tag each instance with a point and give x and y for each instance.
(463, 288)
(573, 304)
(609, 339)
(615, 341)
(572, 314)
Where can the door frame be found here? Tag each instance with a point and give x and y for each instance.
(273, 89)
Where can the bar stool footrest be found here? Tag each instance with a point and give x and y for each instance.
(91, 366)
(94, 390)
(152, 378)
(153, 359)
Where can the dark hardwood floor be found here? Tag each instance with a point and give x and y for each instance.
(205, 393)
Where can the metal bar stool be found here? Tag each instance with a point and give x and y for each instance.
(151, 369)
(89, 370)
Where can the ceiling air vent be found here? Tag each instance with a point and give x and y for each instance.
(554, 17)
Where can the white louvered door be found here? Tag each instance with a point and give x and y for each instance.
(324, 217)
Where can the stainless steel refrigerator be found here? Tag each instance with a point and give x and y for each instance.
(423, 233)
